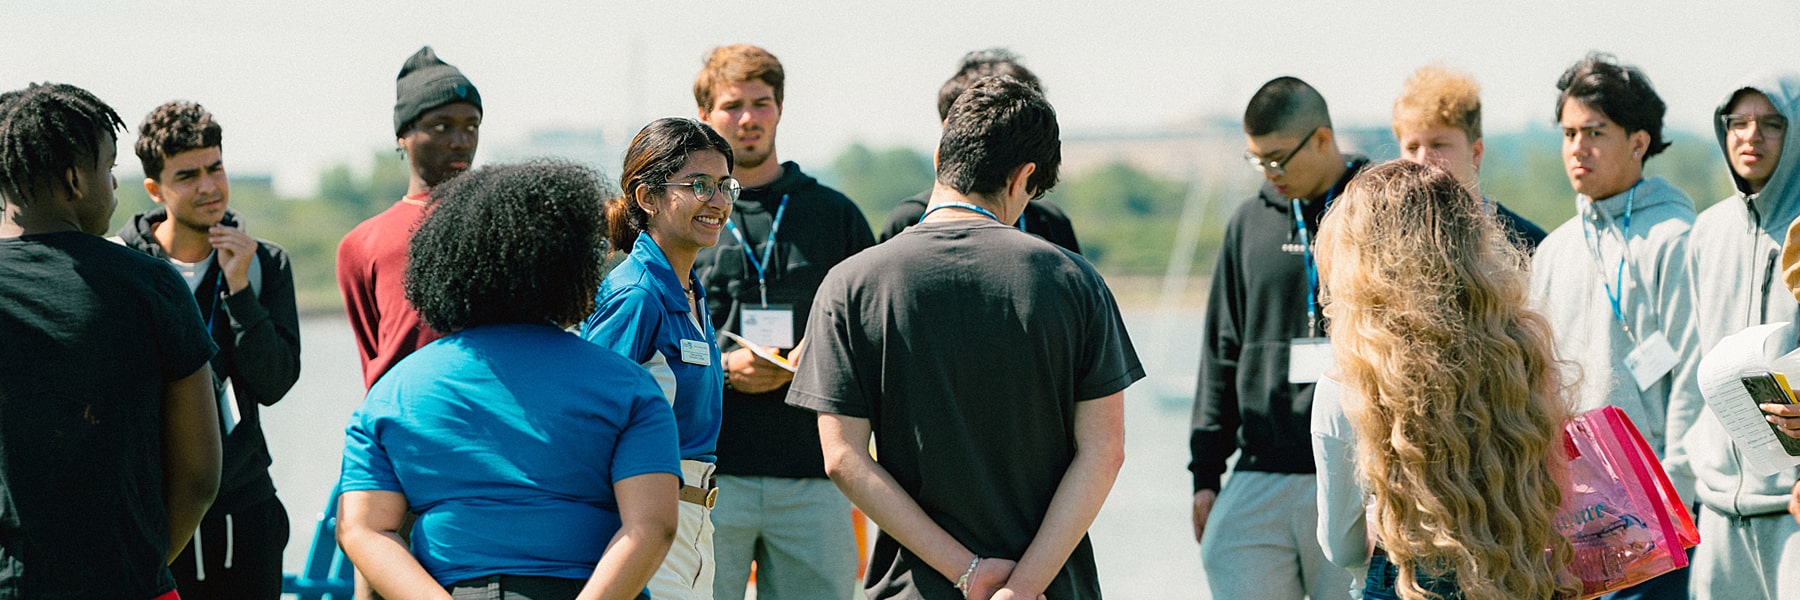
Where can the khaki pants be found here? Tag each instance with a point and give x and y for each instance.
(687, 572)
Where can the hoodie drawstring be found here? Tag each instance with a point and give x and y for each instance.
(230, 541)
(199, 558)
(200, 555)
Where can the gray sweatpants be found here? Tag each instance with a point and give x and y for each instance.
(1260, 541)
(1746, 558)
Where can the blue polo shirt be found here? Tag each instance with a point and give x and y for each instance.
(642, 314)
(506, 440)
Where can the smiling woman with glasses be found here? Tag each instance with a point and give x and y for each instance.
(676, 194)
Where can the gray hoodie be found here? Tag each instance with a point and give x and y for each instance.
(1568, 285)
(1735, 247)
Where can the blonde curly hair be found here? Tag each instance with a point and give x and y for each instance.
(1452, 385)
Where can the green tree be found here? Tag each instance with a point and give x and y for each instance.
(1125, 217)
(878, 179)
(366, 196)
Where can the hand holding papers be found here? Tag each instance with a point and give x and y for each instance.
(767, 354)
(1733, 376)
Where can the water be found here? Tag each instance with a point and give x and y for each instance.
(1143, 538)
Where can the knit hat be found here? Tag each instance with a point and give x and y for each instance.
(427, 82)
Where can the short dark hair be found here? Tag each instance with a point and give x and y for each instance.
(979, 64)
(46, 129)
(658, 150)
(511, 243)
(172, 129)
(1622, 92)
(1285, 105)
(998, 124)
(737, 63)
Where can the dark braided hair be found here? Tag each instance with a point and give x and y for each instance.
(45, 130)
(511, 243)
(172, 129)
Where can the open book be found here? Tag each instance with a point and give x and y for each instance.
(758, 350)
(1743, 371)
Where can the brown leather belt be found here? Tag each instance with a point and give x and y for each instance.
(705, 497)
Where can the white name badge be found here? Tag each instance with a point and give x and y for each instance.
(1651, 360)
(696, 352)
(772, 326)
(1308, 358)
(228, 408)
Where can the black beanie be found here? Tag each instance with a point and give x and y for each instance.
(427, 82)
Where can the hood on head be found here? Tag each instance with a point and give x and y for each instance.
(1781, 192)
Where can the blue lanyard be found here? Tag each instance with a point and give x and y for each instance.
(965, 206)
(761, 266)
(218, 291)
(1615, 295)
(973, 208)
(1312, 268)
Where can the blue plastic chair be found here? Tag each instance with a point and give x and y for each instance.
(327, 571)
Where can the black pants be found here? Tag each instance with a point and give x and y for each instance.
(239, 563)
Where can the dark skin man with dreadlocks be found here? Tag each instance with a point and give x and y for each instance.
(109, 454)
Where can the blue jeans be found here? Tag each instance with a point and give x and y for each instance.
(1381, 583)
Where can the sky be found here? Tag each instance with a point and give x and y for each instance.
(303, 86)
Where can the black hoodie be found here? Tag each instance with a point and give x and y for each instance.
(1256, 308)
(762, 435)
(258, 333)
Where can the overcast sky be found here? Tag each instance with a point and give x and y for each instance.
(301, 86)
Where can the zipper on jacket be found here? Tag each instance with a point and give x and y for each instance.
(1768, 284)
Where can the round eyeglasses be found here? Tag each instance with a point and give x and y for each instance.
(704, 188)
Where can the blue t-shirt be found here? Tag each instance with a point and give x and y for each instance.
(642, 313)
(506, 441)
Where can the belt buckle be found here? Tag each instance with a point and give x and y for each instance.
(712, 498)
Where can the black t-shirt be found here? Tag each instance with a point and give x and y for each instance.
(760, 436)
(1041, 218)
(90, 332)
(967, 344)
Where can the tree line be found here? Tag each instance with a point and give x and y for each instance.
(1125, 216)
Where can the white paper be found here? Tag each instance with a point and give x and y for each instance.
(1721, 371)
(757, 349)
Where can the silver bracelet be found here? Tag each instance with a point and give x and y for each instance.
(962, 583)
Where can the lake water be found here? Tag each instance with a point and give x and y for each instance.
(1143, 538)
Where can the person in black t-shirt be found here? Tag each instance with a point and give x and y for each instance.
(993, 382)
(1041, 217)
(109, 450)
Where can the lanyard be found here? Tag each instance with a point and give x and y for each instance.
(761, 266)
(217, 292)
(975, 208)
(965, 206)
(1614, 295)
(1312, 269)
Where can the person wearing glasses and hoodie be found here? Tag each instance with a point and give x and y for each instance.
(1752, 547)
